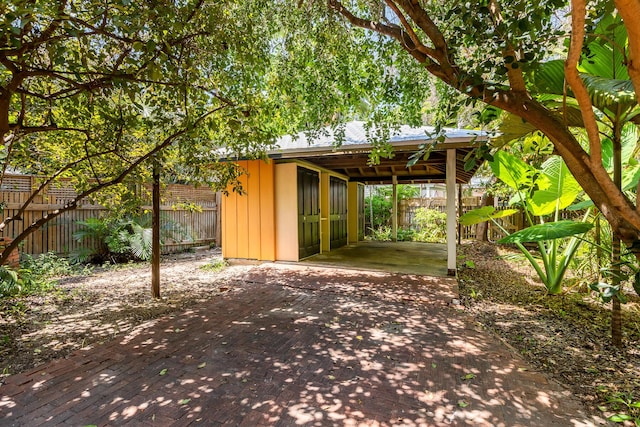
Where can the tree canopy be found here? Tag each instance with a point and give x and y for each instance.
(92, 90)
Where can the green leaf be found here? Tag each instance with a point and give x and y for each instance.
(483, 214)
(631, 177)
(469, 164)
(547, 231)
(607, 59)
(512, 171)
(585, 204)
(549, 77)
(610, 94)
(184, 401)
(620, 418)
(163, 372)
(559, 191)
(512, 127)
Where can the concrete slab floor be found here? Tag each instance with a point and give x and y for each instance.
(425, 259)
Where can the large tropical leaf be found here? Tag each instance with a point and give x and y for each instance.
(606, 53)
(610, 94)
(548, 78)
(580, 206)
(484, 214)
(547, 231)
(559, 191)
(513, 171)
(141, 242)
(512, 127)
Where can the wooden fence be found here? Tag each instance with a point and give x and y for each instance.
(201, 225)
(407, 210)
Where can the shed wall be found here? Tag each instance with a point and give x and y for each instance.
(248, 225)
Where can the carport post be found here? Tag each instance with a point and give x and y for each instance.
(394, 210)
(451, 211)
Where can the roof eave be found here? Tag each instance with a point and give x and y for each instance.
(455, 142)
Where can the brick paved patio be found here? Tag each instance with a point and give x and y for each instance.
(295, 345)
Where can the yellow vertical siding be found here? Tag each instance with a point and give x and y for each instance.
(242, 212)
(253, 210)
(230, 230)
(248, 225)
(267, 212)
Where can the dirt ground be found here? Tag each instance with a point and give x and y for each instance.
(565, 336)
(87, 310)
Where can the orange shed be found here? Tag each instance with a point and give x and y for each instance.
(308, 197)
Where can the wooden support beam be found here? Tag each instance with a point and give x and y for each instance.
(451, 212)
(394, 210)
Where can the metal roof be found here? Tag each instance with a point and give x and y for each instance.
(351, 157)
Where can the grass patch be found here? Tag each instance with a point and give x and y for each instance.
(215, 266)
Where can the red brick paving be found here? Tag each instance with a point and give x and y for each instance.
(292, 345)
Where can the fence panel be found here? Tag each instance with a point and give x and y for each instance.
(407, 210)
(195, 209)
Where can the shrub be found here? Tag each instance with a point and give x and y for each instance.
(21, 282)
(431, 225)
(117, 240)
(381, 233)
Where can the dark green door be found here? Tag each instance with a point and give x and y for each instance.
(337, 212)
(308, 212)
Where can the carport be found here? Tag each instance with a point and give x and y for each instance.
(308, 197)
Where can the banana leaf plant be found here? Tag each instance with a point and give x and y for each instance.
(542, 194)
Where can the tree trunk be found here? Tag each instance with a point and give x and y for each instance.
(616, 270)
(482, 228)
(155, 238)
(616, 315)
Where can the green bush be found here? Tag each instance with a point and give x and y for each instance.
(378, 205)
(117, 240)
(47, 265)
(22, 282)
(406, 235)
(431, 225)
(381, 233)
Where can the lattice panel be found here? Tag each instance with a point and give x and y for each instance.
(16, 183)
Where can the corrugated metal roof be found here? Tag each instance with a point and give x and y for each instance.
(356, 134)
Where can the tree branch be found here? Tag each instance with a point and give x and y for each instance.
(515, 76)
(578, 12)
(73, 204)
(409, 29)
(395, 32)
(43, 185)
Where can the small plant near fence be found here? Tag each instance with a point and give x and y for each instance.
(118, 240)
